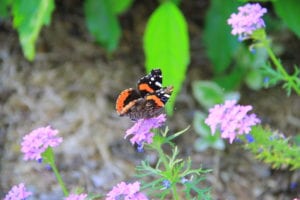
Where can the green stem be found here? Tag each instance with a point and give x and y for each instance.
(162, 156)
(280, 68)
(174, 191)
(59, 179)
(49, 158)
(166, 165)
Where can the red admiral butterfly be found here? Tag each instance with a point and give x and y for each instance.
(147, 101)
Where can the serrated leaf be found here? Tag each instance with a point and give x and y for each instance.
(208, 93)
(102, 23)
(220, 44)
(120, 6)
(166, 46)
(288, 11)
(28, 19)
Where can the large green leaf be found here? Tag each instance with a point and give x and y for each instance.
(29, 17)
(120, 6)
(102, 23)
(288, 11)
(220, 44)
(166, 46)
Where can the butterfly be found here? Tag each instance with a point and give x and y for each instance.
(147, 101)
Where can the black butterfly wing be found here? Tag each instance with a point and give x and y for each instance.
(150, 83)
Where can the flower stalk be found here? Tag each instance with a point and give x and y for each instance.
(48, 157)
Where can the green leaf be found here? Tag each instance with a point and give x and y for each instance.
(232, 80)
(288, 11)
(208, 93)
(102, 23)
(206, 140)
(29, 17)
(254, 79)
(48, 156)
(199, 125)
(176, 2)
(166, 46)
(220, 44)
(4, 8)
(120, 6)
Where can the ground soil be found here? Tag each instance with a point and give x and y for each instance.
(72, 85)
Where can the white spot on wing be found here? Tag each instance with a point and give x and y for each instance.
(158, 84)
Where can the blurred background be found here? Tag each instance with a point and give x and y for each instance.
(72, 84)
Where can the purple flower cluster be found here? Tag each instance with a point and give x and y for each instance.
(76, 197)
(17, 192)
(247, 20)
(37, 141)
(141, 130)
(231, 119)
(130, 191)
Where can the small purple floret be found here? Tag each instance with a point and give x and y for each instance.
(37, 141)
(130, 191)
(18, 192)
(231, 119)
(247, 20)
(141, 133)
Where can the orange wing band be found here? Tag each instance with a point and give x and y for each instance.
(121, 99)
(156, 99)
(145, 87)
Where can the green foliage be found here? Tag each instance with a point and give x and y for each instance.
(28, 19)
(4, 8)
(206, 140)
(257, 0)
(178, 172)
(274, 149)
(103, 23)
(296, 139)
(166, 46)
(101, 20)
(288, 11)
(208, 93)
(220, 45)
(120, 6)
(250, 61)
(177, 2)
(274, 77)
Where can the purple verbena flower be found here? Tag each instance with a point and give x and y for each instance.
(17, 192)
(231, 119)
(130, 191)
(76, 197)
(247, 20)
(37, 141)
(141, 130)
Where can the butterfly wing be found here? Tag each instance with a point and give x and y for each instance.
(150, 83)
(126, 100)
